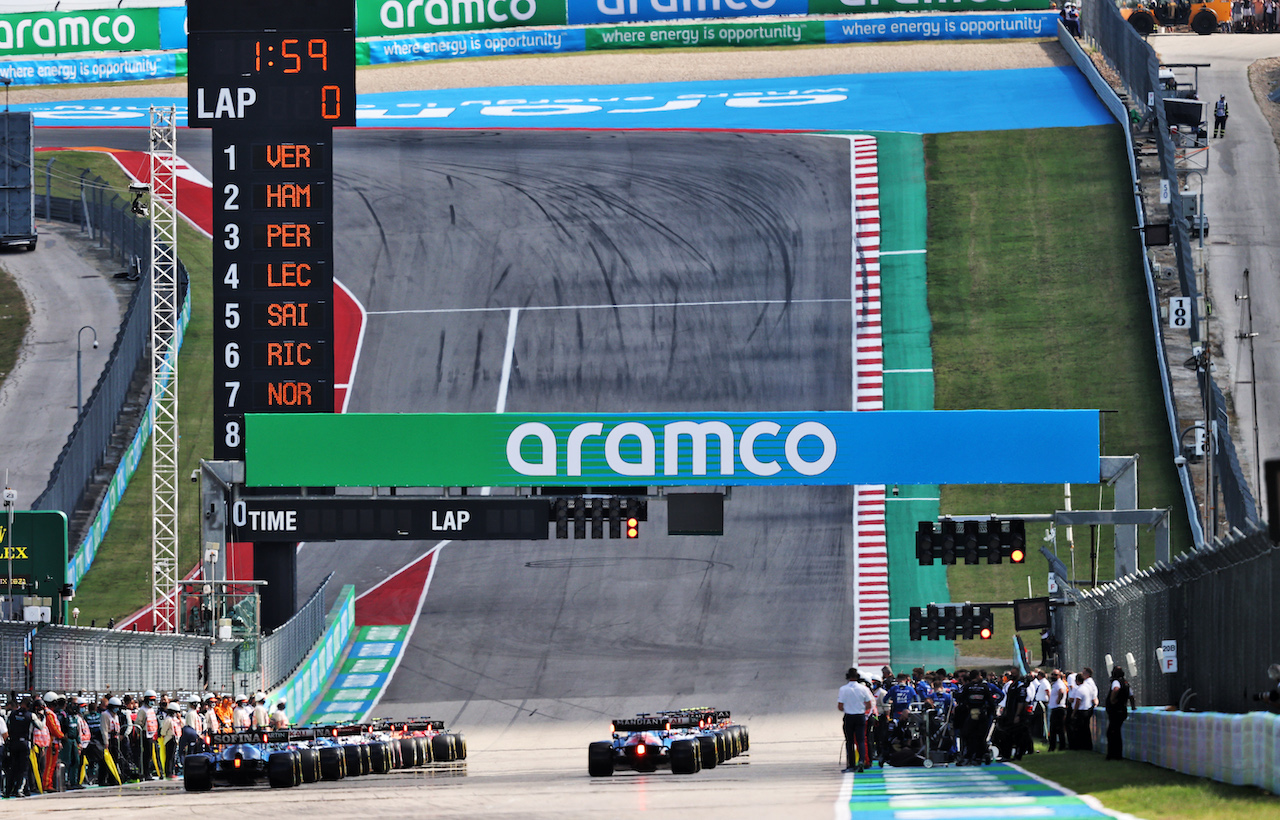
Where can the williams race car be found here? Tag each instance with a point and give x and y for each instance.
(300, 755)
(684, 741)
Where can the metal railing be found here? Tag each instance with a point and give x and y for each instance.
(107, 218)
(13, 648)
(282, 650)
(105, 660)
(110, 660)
(1221, 605)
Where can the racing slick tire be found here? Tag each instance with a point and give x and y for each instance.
(746, 738)
(424, 750)
(684, 756)
(409, 753)
(310, 761)
(333, 763)
(380, 758)
(600, 759)
(284, 769)
(459, 746)
(709, 749)
(1206, 22)
(197, 774)
(358, 763)
(442, 749)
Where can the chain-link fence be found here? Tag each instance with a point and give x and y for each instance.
(13, 649)
(109, 221)
(106, 660)
(1220, 605)
(1138, 67)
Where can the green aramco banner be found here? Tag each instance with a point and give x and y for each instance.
(671, 449)
(69, 31)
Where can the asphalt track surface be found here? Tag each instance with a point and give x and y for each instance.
(651, 272)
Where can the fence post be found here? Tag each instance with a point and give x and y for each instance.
(48, 188)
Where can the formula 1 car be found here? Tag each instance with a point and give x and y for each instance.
(684, 741)
(237, 759)
(300, 755)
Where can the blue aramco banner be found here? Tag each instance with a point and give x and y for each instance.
(672, 449)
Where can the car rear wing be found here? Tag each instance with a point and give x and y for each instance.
(247, 738)
(314, 732)
(701, 714)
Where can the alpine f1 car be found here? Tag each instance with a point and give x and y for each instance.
(684, 741)
(291, 757)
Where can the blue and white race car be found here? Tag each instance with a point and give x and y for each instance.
(684, 741)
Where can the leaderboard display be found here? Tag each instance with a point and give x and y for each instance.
(272, 80)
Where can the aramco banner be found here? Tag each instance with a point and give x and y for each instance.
(380, 18)
(672, 449)
(54, 32)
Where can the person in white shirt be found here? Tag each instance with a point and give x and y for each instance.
(241, 715)
(261, 717)
(1083, 715)
(1083, 700)
(170, 733)
(855, 702)
(1038, 696)
(279, 718)
(190, 738)
(1057, 705)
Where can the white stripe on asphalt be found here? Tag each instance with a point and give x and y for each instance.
(708, 303)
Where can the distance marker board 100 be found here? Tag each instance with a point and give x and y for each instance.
(272, 80)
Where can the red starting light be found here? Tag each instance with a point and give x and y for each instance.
(1017, 556)
(985, 634)
(633, 527)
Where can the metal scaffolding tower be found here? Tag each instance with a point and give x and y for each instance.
(164, 369)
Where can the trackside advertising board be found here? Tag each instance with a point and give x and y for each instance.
(64, 32)
(672, 449)
(382, 18)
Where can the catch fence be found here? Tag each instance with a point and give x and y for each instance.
(1138, 67)
(1219, 605)
(108, 220)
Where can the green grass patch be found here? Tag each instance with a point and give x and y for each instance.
(14, 319)
(1037, 298)
(1151, 792)
(73, 170)
(120, 580)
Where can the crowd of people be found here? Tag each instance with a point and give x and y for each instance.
(66, 742)
(1255, 16)
(966, 713)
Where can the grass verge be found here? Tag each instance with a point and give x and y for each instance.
(15, 317)
(120, 580)
(1038, 300)
(1151, 792)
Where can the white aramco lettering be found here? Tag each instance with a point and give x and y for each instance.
(547, 466)
(801, 431)
(613, 449)
(640, 458)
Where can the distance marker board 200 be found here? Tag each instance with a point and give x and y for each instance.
(272, 80)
